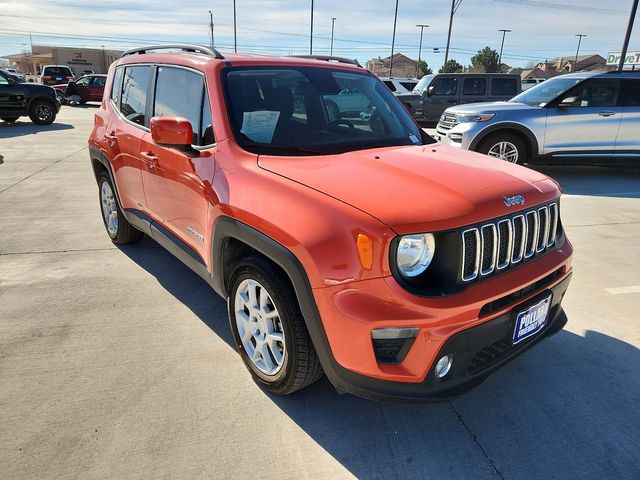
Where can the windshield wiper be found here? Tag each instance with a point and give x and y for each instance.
(286, 148)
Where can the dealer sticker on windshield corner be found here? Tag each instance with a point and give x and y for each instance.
(532, 320)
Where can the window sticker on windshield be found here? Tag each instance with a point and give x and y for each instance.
(414, 139)
(259, 126)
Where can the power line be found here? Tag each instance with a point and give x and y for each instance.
(562, 6)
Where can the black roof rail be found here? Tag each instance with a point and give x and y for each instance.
(637, 72)
(212, 52)
(329, 58)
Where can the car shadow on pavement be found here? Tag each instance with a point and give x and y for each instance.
(568, 408)
(21, 128)
(596, 181)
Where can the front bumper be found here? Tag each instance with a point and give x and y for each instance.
(477, 351)
(461, 135)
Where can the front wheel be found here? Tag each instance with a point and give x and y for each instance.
(268, 328)
(505, 146)
(60, 97)
(42, 112)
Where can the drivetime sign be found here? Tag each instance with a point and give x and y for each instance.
(632, 58)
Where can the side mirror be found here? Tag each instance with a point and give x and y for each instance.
(172, 131)
(430, 91)
(570, 102)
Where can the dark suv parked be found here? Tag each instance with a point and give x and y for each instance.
(21, 99)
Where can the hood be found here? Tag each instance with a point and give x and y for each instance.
(37, 88)
(489, 107)
(418, 188)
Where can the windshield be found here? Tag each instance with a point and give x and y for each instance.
(544, 92)
(423, 83)
(315, 110)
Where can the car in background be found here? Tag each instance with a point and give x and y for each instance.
(87, 72)
(90, 88)
(400, 85)
(438, 91)
(15, 73)
(19, 99)
(527, 83)
(56, 74)
(580, 118)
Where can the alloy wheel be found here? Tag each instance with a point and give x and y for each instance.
(504, 151)
(43, 112)
(259, 327)
(109, 209)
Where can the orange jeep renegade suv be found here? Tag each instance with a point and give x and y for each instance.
(345, 240)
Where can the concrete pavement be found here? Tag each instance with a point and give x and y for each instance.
(117, 362)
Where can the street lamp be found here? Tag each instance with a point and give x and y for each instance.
(422, 27)
(393, 40)
(575, 63)
(333, 22)
(311, 36)
(235, 31)
(504, 33)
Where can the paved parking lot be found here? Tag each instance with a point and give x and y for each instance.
(117, 362)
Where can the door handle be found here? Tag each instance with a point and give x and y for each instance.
(606, 113)
(150, 159)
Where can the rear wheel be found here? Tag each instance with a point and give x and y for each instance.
(9, 119)
(268, 328)
(41, 112)
(505, 146)
(119, 229)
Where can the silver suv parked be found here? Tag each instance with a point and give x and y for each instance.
(575, 118)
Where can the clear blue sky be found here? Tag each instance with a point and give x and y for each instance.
(540, 28)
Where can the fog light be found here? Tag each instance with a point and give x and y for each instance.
(456, 137)
(444, 365)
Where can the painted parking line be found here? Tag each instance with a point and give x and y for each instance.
(621, 290)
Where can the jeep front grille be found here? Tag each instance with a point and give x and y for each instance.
(498, 244)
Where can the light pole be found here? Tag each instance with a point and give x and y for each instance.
(504, 33)
(454, 8)
(211, 27)
(422, 27)
(235, 31)
(393, 40)
(311, 36)
(627, 36)
(333, 22)
(575, 63)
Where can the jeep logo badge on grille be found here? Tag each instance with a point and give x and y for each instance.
(514, 200)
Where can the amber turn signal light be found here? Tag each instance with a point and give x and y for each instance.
(365, 250)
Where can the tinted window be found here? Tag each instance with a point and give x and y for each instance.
(134, 94)
(631, 93)
(60, 71)
(504, 86)
(596, 93)
(474, 86)
(98, 81)
(409, 85)
(117, 84)
(83, 82)
(390, 85)
(179, 94)
(3, 80)
(206, 125)
(445, 86)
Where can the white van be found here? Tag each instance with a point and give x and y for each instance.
(400, 85)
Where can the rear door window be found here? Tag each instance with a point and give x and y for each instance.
(474, 86)
(631, 93)
(133, 102)
(445, 86)
(117, 85)
(504, 86)
(98, 81)
(179, 93)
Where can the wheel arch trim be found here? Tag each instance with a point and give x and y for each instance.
(532, 141)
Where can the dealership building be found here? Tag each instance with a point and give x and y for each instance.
(78, 59)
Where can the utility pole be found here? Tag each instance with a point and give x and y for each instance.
(311, 36)
(235, 31)
(393, 40)
(211, 28)
(31, 43)
(627, 36)
(104, 61)
(504, 32)
(422, 27)
(333, 22)
(454, 7)
(575, 63)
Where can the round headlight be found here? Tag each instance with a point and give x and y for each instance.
(415, 253)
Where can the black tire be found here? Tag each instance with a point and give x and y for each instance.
(124, 231)
(9, 119)
(493, 140)
(37, 112)
(301, 366)
(60, 97)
